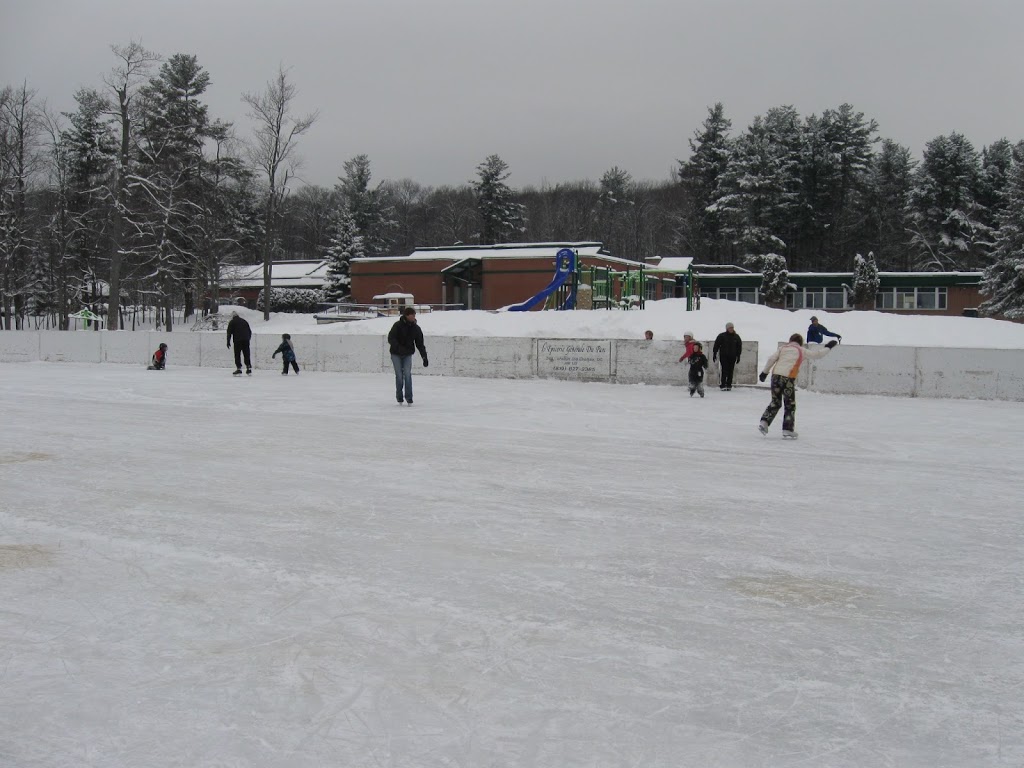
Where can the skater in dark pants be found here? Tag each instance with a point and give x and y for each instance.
(405, 337)
(240, 332)
(727, 350)
(287, 354)
(698, 364)
(784, 365)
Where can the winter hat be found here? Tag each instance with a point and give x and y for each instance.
(698, 345)
(408, 311)
(814, 319)
(286, 335)
(728, 326)
(687, 333)
(163, 346)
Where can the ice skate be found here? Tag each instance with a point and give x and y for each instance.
(790, 433)
(237, 372)
(763, 427)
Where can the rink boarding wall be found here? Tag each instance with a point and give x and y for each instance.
(988, 374)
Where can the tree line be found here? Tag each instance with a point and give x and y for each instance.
(139, 196)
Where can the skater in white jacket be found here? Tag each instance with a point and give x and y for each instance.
(784, 365)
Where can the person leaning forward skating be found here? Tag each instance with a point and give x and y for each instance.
(240, 332)
(404, 338)
(816, 333)
(727, 351)
(784, 366)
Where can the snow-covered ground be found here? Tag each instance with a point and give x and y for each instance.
(205, 570)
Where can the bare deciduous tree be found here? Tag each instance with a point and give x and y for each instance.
(124, 80)
(274, 140)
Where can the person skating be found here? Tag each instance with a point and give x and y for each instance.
(690, 343)
(698, 364)
(787, 360)
(727, 352)
(240, 332)
(404, 338)
(159, 360)
(816, 332)
(287, 354)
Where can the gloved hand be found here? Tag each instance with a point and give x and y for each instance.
(839, 338)
(832, 344)
(229, 344)
(681, 359)
(763, 376)
(426, 363)
(714, 358)
(273, 356)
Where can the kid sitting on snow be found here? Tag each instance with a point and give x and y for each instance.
(159, 360)
(698, 364)
(287, 354)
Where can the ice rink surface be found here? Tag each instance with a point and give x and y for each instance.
(200, 570)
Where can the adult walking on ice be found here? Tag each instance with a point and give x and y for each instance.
(727, 351)
(816, 332)
(405, 338)
(240, 332)
(784, 365)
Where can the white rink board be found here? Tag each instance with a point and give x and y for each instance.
(494, 358)
(127, 347)
(849, 369)
(854, 370)
(984, 374)
(70, 346)
(352, 354)
(19, 346)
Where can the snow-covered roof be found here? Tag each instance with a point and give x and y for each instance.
(673, 263)
(284, 274)
(455, 253)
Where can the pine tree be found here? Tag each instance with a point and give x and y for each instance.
(948, 232)
(612, 213)
(1003, 281)
(865, 280)
(344, 244)
(702, 176)
(774, 276)
(373, 215)
(500, 216)
(889, 185)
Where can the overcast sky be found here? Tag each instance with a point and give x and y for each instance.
(560, 89)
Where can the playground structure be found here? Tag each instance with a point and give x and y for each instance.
(609, 288)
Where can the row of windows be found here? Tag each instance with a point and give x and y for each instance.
(839, 298)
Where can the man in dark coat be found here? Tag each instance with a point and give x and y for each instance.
(405, 337)
(240, 332)
(728, 348)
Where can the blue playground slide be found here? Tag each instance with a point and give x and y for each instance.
(565, 268)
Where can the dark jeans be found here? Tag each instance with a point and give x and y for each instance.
(292, 363)
(728, 364)
(783, 392)
(242, 349)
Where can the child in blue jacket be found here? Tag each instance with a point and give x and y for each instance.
(287, 354)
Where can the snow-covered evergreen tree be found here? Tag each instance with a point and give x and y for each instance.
(501, 217)
(889, 184)
(774, 276)
(1003, 282)
(946, 219)
(865, 280)
(760, 204)
(344, 244)
(702, 176)
(372, 213)
(613, 212)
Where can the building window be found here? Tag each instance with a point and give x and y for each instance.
(817, 298)
(911, 298)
